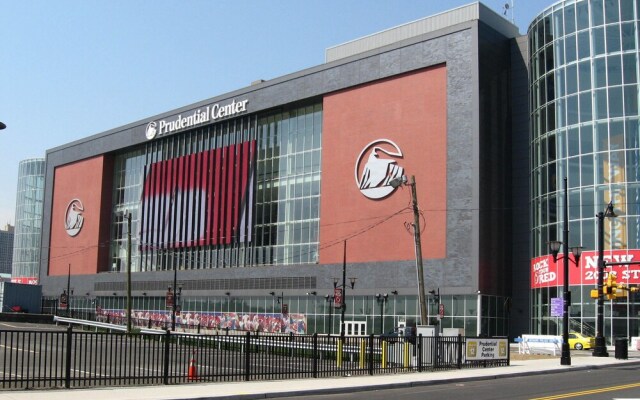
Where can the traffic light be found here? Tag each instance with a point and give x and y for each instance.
(610, 288)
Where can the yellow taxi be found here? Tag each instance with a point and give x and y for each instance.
(579, 341)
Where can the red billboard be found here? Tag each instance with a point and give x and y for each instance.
(199, 199)
(546, 273)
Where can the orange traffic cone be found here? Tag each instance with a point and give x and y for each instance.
(193, 372)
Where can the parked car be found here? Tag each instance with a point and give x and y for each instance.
(579, 341)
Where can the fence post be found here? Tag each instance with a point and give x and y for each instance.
(459, 351)
(371, 340)
(419, 347)
(315, 355)
(67, 367)
(247, 357)
(165, 372)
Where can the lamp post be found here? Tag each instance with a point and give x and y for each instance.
(176, 298)
(436, 299)
(382, 299)
(330, 300)
(554, 246)
(417, 242)
(343, 286)
(128, 216)
(2, 126)
(600, 349)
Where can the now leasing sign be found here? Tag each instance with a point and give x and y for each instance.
(545, 272)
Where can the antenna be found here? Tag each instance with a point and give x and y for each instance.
(508, 8)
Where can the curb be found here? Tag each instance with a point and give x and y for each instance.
(400, 385)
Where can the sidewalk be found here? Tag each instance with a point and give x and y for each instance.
(269, 389)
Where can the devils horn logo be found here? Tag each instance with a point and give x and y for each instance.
(373, 177)
(73, 218)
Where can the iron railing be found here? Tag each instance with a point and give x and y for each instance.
(71, 358)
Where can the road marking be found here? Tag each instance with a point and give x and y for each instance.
(586, 392)
(19, 349)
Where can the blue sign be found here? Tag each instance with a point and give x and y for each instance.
(557, 309)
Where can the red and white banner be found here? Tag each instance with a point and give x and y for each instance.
(25, 280)
(337, 297)
(200, 199)
(546, 273)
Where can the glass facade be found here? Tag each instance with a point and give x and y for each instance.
(282, 208)
(28, 228)
(6, 249)
(585, 128)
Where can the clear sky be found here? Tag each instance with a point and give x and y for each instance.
(74, 68)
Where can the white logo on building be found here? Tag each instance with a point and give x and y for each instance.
(73, 218)
(379, 168)
(203, 115)
(152, 130)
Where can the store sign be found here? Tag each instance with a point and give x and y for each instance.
(376, 166)
(546, 273)
(73, 217)
(200, 116)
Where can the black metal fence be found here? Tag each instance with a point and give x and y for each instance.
(43, 359)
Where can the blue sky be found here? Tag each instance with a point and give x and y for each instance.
(73, 68)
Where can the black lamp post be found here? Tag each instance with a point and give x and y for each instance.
(343, 304)
(554, 247)
(330, 300)
(600, 349)
(176, 298)
(382, 299)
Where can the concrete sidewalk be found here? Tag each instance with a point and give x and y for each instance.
(299, 387)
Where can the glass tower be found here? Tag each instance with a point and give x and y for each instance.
(584, 127)
(28, 229)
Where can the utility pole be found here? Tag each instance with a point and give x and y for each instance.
(394, 183)
(418, 245)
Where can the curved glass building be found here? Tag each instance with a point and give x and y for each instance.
(28, 230)
(584, 128)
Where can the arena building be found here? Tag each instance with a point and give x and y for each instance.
(255, 204)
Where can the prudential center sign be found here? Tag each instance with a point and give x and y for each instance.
(200, 116)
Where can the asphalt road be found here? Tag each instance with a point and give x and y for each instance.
(621, 382)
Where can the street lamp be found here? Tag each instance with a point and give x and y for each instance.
(126, 214)
(343, 286)
(2, 126)
(176, 298)
(554, 247)
(382, 299)
(600, 349)
(330, 300)
(418, 244)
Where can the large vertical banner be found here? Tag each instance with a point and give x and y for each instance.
(615, 231)
(199, 199)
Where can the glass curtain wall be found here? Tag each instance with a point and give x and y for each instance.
(284, 209)
(28, 229)
(584, 127)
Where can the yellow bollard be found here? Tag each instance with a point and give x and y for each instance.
(406, 355)
(384, 354)
(339, 355)
(363, 352)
